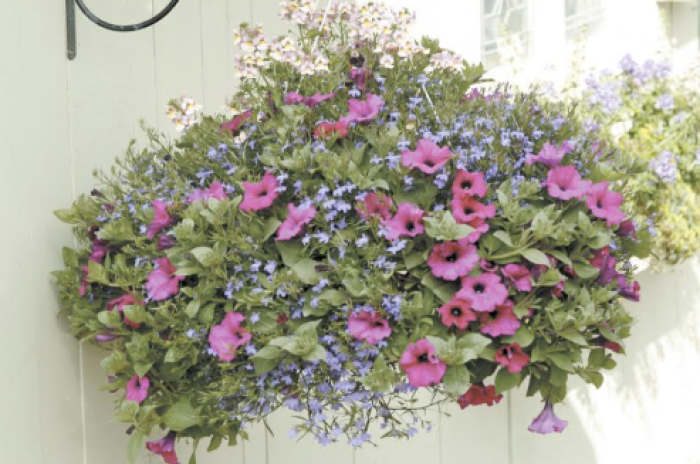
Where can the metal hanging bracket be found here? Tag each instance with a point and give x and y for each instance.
(71, 41)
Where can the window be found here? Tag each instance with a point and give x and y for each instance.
(504, 30)
(583, 16)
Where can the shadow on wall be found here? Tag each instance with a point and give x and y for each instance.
(645, 412)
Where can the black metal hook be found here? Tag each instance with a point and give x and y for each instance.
(70, 23)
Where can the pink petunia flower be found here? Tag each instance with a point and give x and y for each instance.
(480, 228)
(466, 209)
(428, 157)
(518, 276)
(312, 101)
(375, 205)
(119, 303)
(215, 190)
(605, 204)
(259, 195)
(421, 364)
(297, 218)
(161, 284)
(479, 394)
(505, 322)
(457, 312)
(485, 291)
(161, 219)
(227, 337)
(165, 447)
(368, 326)
(365, 111)
(451, 260)
(550, 155)
(547, 421)
(407, 222)
(565, 183)
(512, 357)
(234, 124)
(104, 338)
(325, 130)
(488, 266)
(137, 389)
(469, 183)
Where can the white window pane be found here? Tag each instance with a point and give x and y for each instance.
(583, 15)
(504, 30)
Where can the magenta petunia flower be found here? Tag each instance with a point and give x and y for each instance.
(469, 183)
(627, 290)
(547, 421)
(428, 157)
(161, 284)
(360, 75)
(466, 209)
(365, 111)
(627, 229)
(457, 312)
(104, 338)
(512, 357)
(165, 242)
(99, 251)
(407, 222)
(480, 228)
(488, 266)
(451, 260)
(312, 101)
(564, 183)
(326, 129)
(368, 326)
(227, 337)
(165, 447)
(421, 364)
(605, 204)
(485, 291)
(234, 124)
(375, 205)
(504, 323)
(215, 190)
(137, 389)
(120, 302)
(518, 276)
(297, 218)
(259, 195)
(550, 155)
(606, 264)
(161, 219)
(479, 394)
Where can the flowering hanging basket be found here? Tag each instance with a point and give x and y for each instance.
(365, 229)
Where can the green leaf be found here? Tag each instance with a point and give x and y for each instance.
(535, 256)
(456, 380)
(506, 380)
(575, 337)
(290, 250)
(97, 273)
(334, 297)
(600, 240)
(206, 256)
(206, 315)
(442, 226)
(136, 313)
(135, 446)
(585, 270)
(142, 368)
(193, 308)
(504, 237)
(270, 227)
(306, 271)
(415, 258)
(181, 416)
(215, 443)
(264, 365)
(70, 257)
(67, 216)
(127, 411)
(354, 285)
(268, 352)
(561, 360)
(561, 257)
(522, 337)
(441, 288)
(317, 354)
(558, 376)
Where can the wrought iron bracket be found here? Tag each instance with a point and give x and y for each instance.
(71, 40)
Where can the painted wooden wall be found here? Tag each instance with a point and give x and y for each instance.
(62, 119)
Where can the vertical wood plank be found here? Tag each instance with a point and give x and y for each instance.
(216, 34)
(41, 384)
(238, 11)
